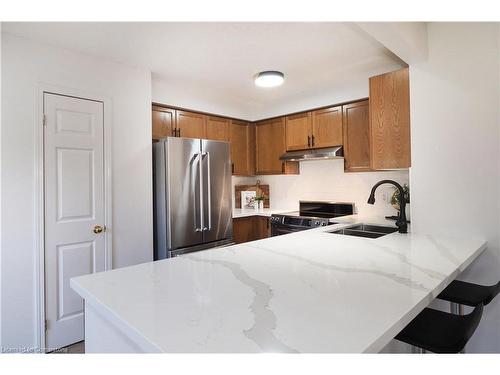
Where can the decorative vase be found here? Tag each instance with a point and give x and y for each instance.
(261, 205)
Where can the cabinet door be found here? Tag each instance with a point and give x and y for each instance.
(298, 131)
(270, 145)
(163, 122)
(327, 127)
(270, 139)
(251, 149)
(390, 120)
(243, 229)
(190, 124)
(262, 227)
(356, 137)
(240, 148)
(217, 129)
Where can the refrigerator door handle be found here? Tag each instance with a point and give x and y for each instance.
(198, 157)
(209, 193)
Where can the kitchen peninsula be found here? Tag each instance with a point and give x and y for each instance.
(310, 291)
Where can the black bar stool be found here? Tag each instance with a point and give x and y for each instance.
(460, 293)
(441, 332)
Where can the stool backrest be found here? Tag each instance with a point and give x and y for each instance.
(495, 289)
(474, 318)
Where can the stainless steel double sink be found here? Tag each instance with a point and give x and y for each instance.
(366, 230)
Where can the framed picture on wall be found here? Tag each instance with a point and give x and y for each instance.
(248, 199)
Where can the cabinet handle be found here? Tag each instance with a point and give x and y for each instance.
(308, 141)
(232, 167)
(172, 133)
(312, 140)
(283, 167)
(178, 132)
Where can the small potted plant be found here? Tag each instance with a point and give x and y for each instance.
(395, 201)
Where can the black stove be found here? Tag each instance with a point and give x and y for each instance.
(311, 214)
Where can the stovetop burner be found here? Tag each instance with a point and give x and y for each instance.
(328, 210)
(320, 215)
(310, 215)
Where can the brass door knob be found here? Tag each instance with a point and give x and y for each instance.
(98, 229)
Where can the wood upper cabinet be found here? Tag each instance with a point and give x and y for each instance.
(242, 148)
(316, 129)
(270, 145)
(163, 122)
(190, 124)
(270, 140)
(217, 128)
(356, 137)
(327, 127)
(298, 131)
(390, 120)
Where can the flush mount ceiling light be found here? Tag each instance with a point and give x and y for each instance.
(269, 78)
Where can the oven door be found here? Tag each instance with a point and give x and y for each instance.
(279, 229)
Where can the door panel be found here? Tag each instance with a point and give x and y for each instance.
(74, 204)
(298, 131)
(190, 124)
(183, 181)
(327, 127)
(73, 260)
(217, 190)
(75, 190)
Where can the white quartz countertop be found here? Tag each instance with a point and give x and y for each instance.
(309, 291)
(238, 212)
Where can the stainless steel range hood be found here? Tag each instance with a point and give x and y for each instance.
(318, 154)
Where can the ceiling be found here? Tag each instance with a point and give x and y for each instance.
(217, 61)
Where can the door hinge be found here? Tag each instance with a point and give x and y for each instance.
(46, 324)
(44, 120)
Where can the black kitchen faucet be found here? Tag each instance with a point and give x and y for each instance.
(401, 221)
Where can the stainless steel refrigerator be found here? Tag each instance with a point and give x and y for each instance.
(192, 195)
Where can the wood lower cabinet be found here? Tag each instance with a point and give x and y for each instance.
(163, 122)
(262, 227)
(242, 138)
(251, 228)
(190, 124)
(270, 145)
(217, 128)
(298, 131)
(390, 120)
(327, 127)
(356, 137)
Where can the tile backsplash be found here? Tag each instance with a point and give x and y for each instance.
(326, 180)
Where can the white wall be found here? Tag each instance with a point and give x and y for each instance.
(24, 65)
(179, 94)
(351, 87)
(407, 40)
(326, 180)
(455, 149)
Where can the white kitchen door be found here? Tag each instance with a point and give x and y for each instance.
(74, 209)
